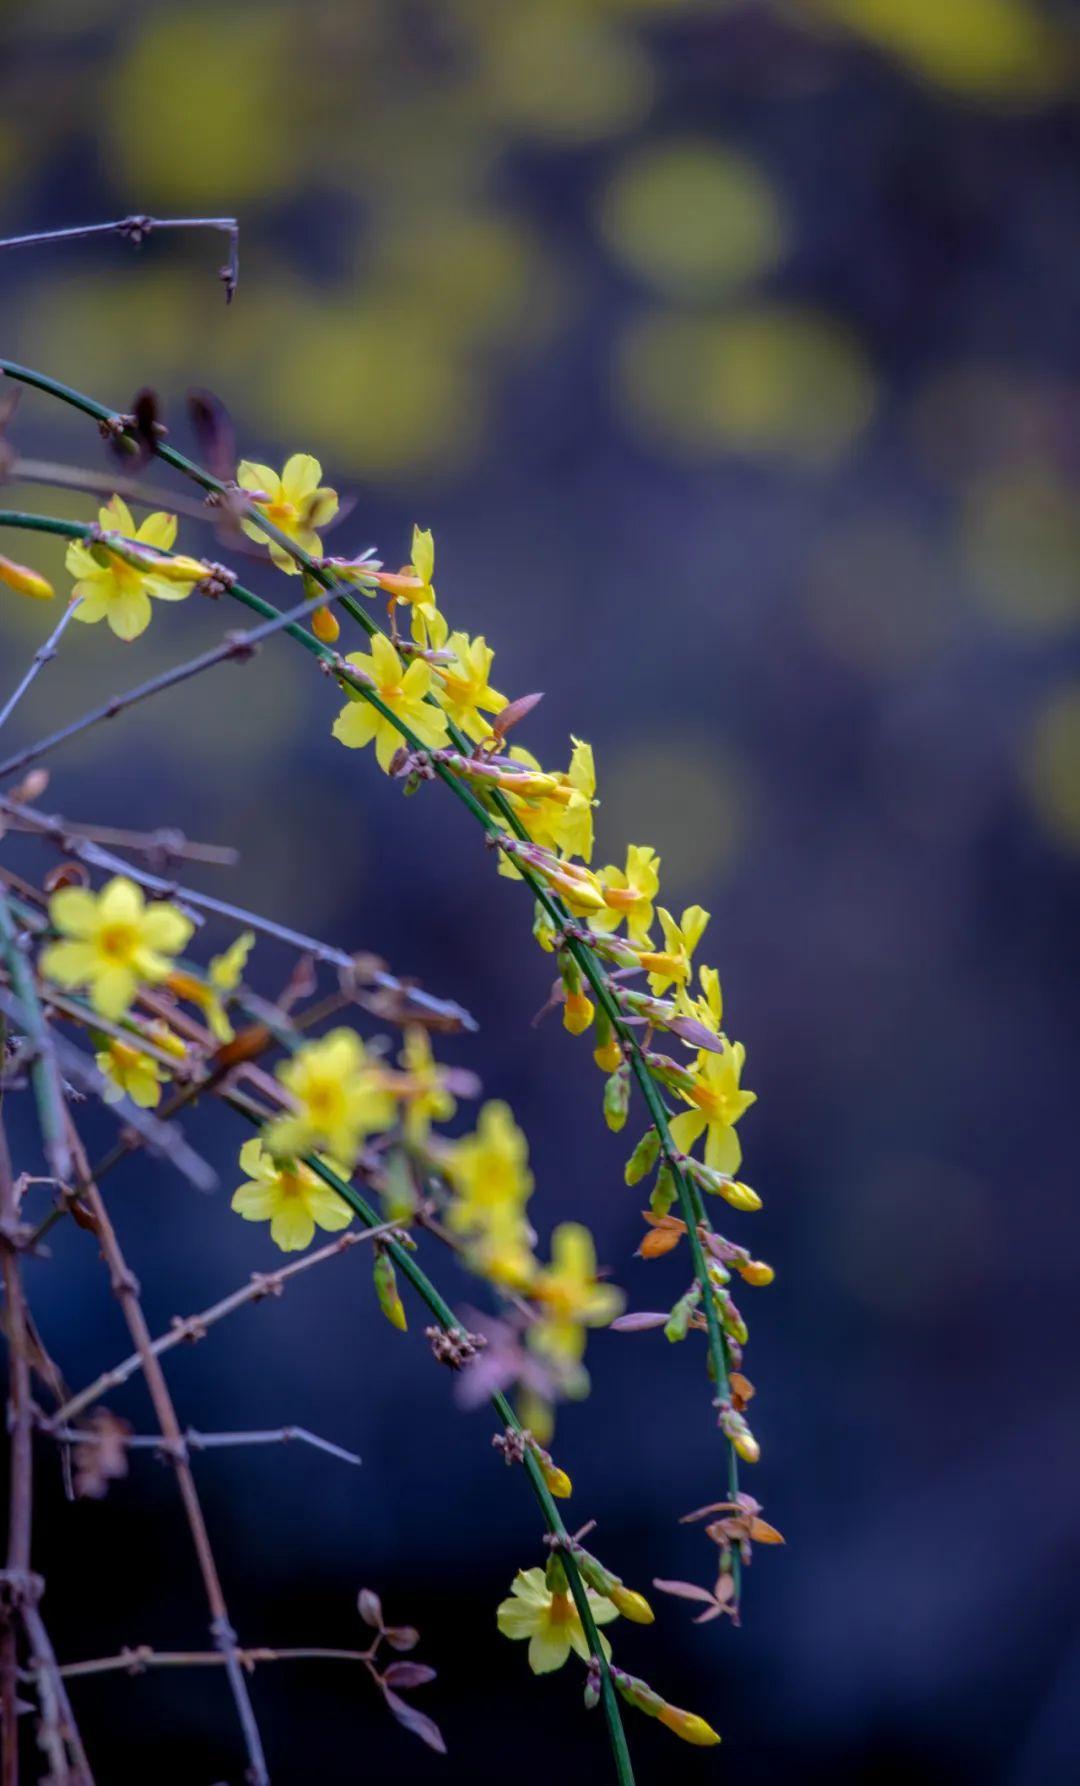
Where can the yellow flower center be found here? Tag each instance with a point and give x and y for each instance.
(283, 514)
(118, 941)
(561, 1610)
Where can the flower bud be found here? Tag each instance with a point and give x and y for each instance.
(643, 1158)
(632, 1605)
(385, 1279)
(617, 1099)
(756, 1272)
(326, 625)
(578, 1013)
(558, 1482)
(678, 1322)
(25, 581)
(663, 1191)
(689, 1726)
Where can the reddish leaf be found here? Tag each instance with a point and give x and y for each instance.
(370, 1608)
(408, 1674)
(713, 1507)
(423, 1727)
(763, 1533)
(685, 1590)
(639, 1323)
(659, 1242)
(402, 1637)
(514, 713)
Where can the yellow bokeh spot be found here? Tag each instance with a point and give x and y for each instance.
(686, 797)
(1002, 51)
(1052, 765)
(203, 109)
(1020, 537)
(692, 219)
(554, 70)
(767, 380)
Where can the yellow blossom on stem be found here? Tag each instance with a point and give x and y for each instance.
(226, 970)
(223, 976)
(709, 1008)
(403, 691)
(719, 1101)
(629, 893)
(112, 942)
(296, 503)
(550, 1620)
(670, 966)
(25, 581)
(339, 1095)
(569, 1296)
(290, 1196)
(130, 1073)
(489, 1175)
(463, 688)
(561, 819)
(109, 588)
(423, 1091)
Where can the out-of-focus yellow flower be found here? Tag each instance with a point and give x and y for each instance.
(570, 1296)
(290, 1196)
(489, 1175)
(629, 894)
(296, 503)
(719, 1101)
(223, 976)
(550, 1620)
(670, 966)
(403, 691)
(109, 588)
(130, 1073)
(112, 942)
(25, 581)
(423, 1091)
(462, 688)
(226, 971)
(339, 1095)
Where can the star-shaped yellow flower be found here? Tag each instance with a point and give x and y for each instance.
(569, 1295)
(339, 1095)
(629, 894)
(296, 502)
(290, 1196)
(108, 588)
(403, 691)
(719, 1101)
(550, 1621)
(670, 966)
(112, 942)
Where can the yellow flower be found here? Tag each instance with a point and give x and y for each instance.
(339, 1095)
(671, 965)
(109, 588)
(290, 1196)
(550, 1621)
(113, 942)
(561, 820)
(295, 502)
(413, 584)
(462, 688)
(629, 894)
(719, 1101)
(25, 581)
(489, 1174)
(403, 691)
(130, 1074)
(226, 971)
(709, 1008)
(570, 1296)
(426, 1099)
(223, 976)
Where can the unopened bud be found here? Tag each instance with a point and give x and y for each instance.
(663, 1191)
(326, 625)
(756, 1272)
(617, 1099)
(678, 1322)
(689, 1726)
(25, 581)
(385, 1279)
(643, 1158)
(578, 1013)
(632, 1605)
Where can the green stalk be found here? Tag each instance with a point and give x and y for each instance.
(405, 1262)
(690, 1202)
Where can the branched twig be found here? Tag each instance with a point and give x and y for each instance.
(126, 1291)
(197, 1441)
(188, 1328)
(43, 655)
(136, 229)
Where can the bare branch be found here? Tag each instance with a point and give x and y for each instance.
(136, 229)
(191, 1440)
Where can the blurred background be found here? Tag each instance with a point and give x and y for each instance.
(731, 353)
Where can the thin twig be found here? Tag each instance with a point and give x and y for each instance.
(101, 483)
(44, 1072)
(136, 229)
(135, 1661)
(43, 655)
(188, 1328)
(198, 1441)
(126, 1291)
(164, 845)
